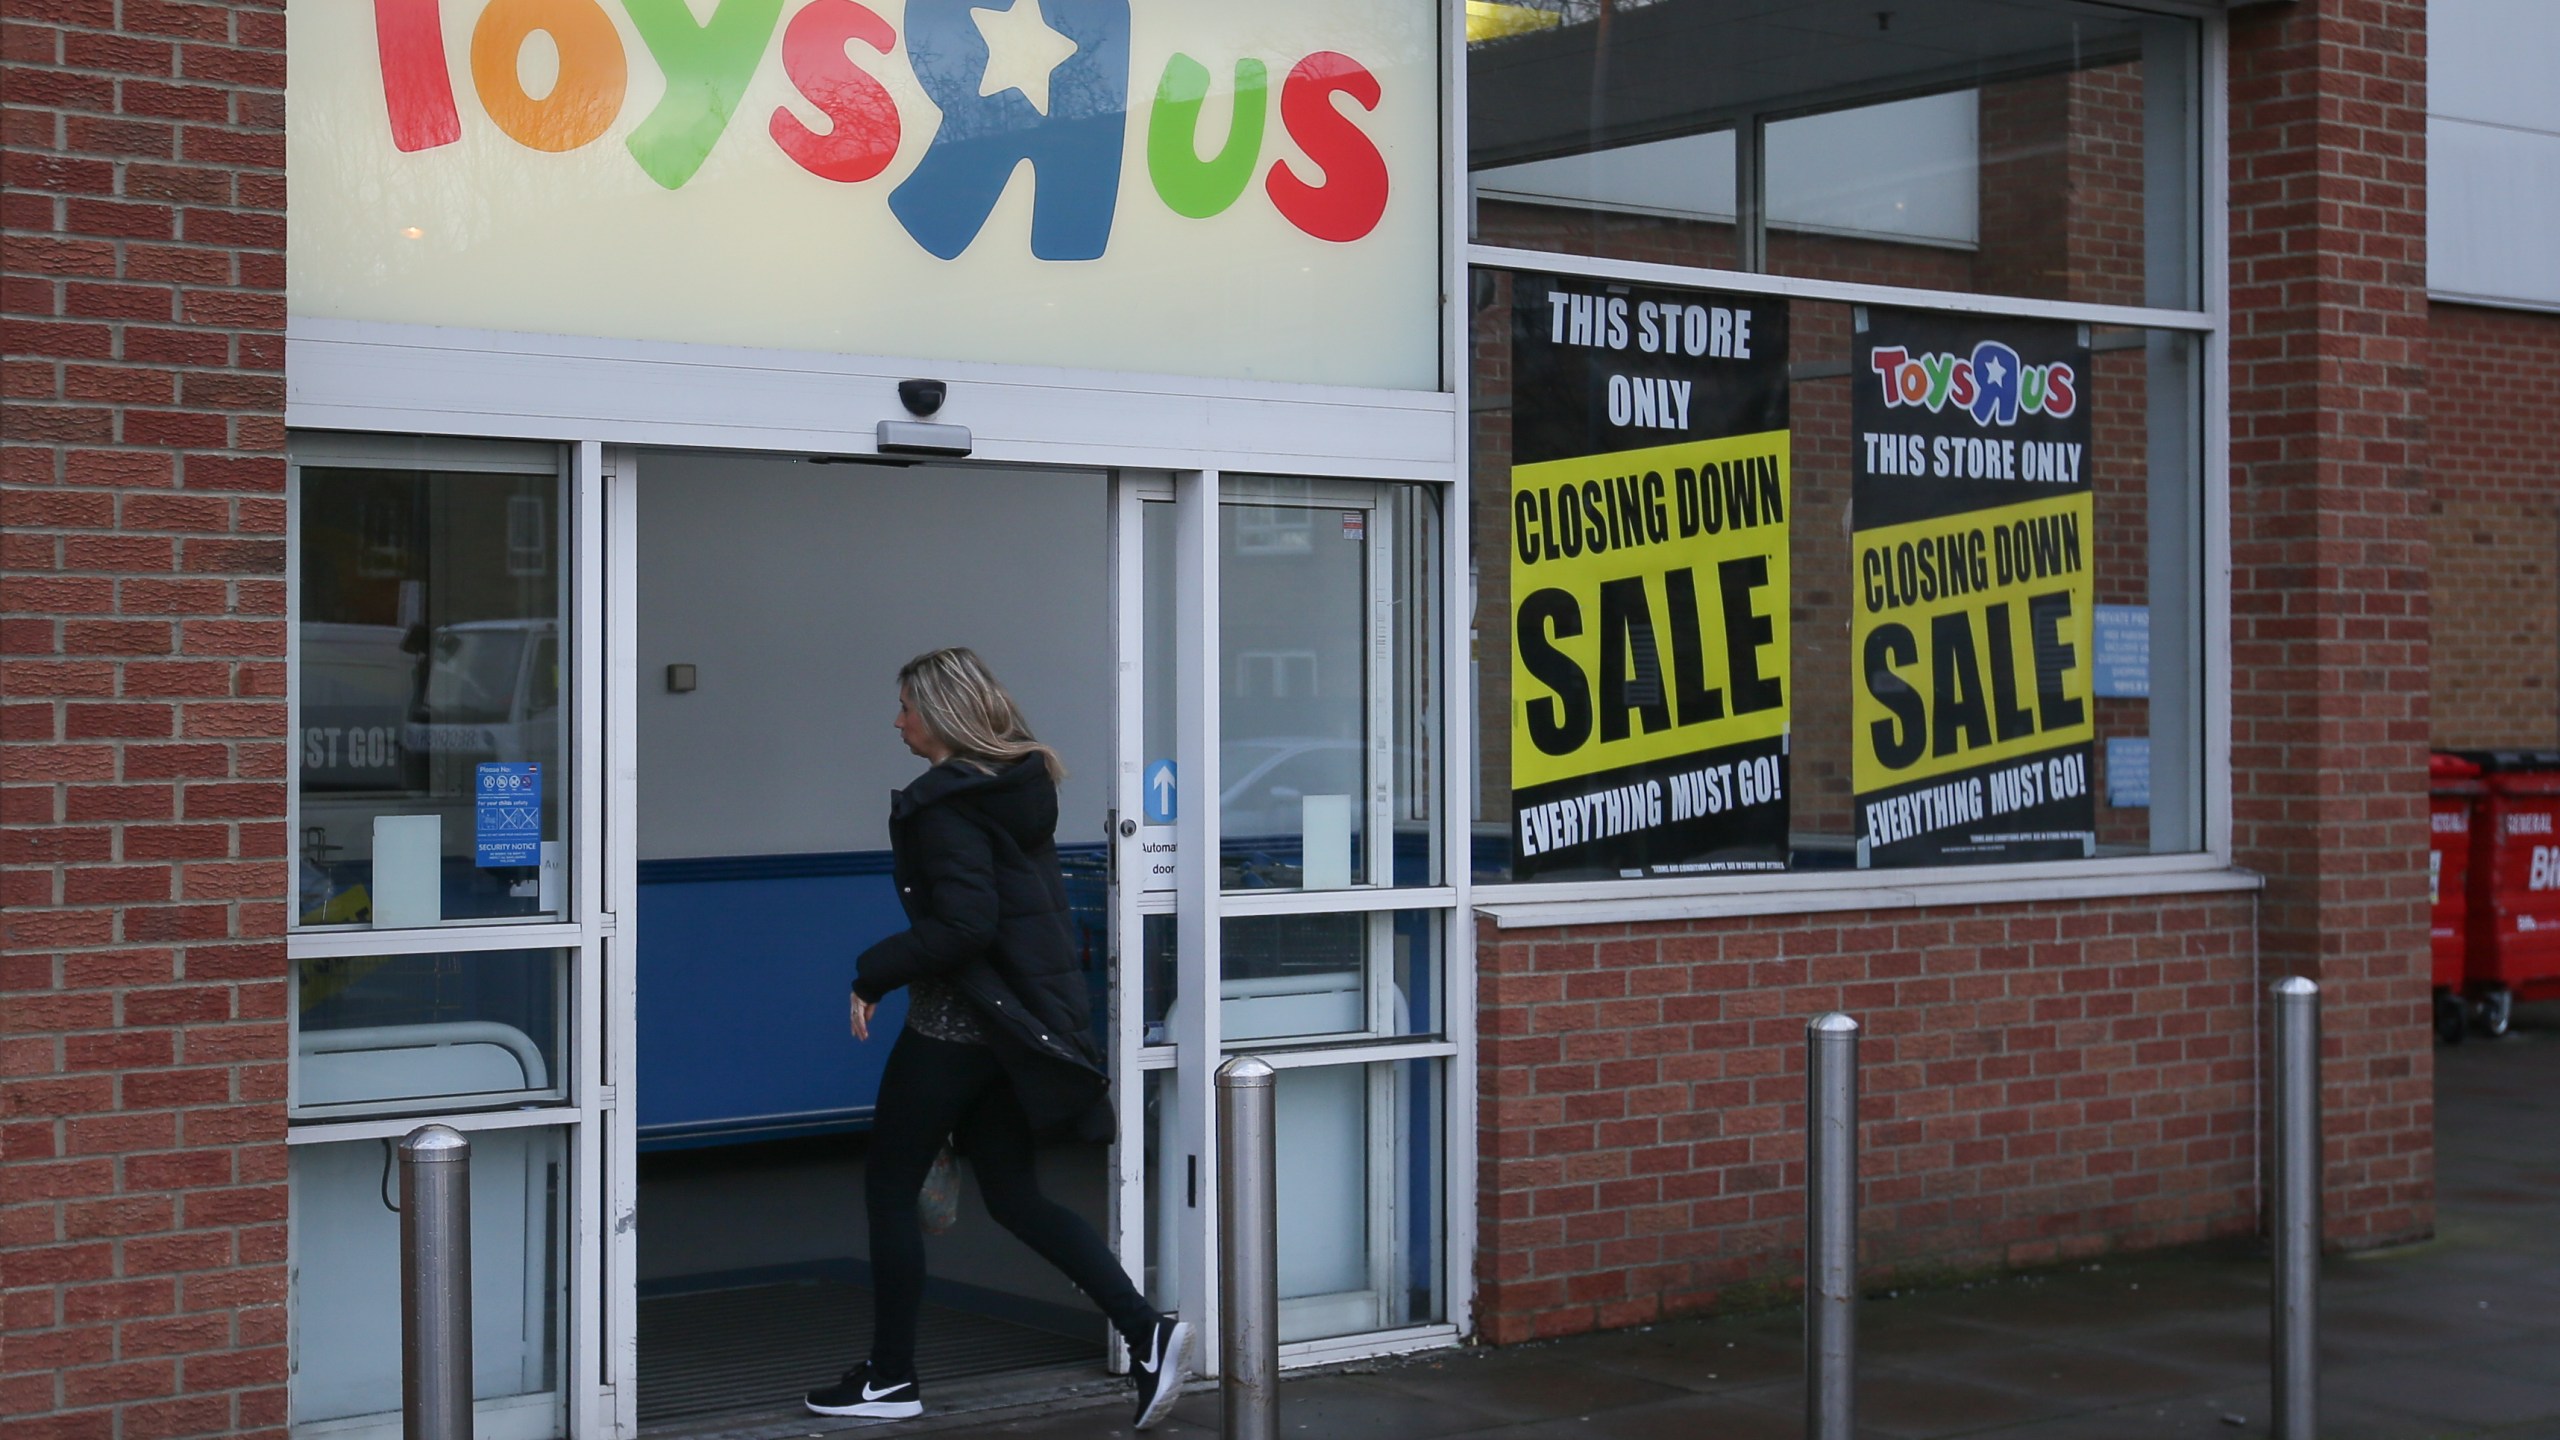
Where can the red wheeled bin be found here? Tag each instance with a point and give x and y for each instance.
(2453, 791)
(2514, 950)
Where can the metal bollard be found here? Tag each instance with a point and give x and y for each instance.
(1248, 1253)
(435, 1284)
(1831, 1228)
(2295, 1347)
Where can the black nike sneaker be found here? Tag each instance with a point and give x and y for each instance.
(861, 1392)
(1157, 1368)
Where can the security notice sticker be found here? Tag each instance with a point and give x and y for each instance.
(508, 815)
(1971, 545)
(1649, 507)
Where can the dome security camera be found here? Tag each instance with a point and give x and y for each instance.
(921, 397)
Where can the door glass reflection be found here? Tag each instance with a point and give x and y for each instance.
(391, 1034)
(1292, 760)
(1290, 977)
(430, 678)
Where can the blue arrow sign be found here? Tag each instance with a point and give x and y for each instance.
(1160, 793)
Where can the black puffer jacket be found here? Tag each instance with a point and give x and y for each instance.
(976, 861)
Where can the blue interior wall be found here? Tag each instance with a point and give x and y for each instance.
(745, 964)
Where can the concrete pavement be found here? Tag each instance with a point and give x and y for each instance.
(2459, 1336)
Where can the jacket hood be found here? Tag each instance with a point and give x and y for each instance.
(1020, 798)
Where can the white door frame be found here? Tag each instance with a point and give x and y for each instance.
(607, 399)
(616, 1404)
(594, 1063)
(1201, 906)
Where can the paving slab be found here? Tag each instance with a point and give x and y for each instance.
(2070, 1375)
(2454, 1338)
(1357, 1407)
(1679, 1356)
(1692, 1417)
(1531, 1390)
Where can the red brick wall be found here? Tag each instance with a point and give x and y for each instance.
(2493, 382)
(141, 656)
(2329, 562)
(2039, 1083)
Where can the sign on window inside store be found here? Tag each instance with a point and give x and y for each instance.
(1971, 511)
(2129, 772)
(2123, 649)
(1649, 526)
(508, 814)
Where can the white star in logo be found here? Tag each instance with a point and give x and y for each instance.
(1021, 50)
(1992, 370)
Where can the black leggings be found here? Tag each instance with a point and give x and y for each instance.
(936, 1088)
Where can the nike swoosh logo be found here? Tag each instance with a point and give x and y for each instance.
(870, 1394)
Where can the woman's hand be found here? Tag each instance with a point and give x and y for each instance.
(862, 1012)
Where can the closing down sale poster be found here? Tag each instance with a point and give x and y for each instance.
(1649, 504)
(1970, 506)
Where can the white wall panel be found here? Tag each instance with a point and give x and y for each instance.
(2496, 61)
(2493, 151)
(2493, 206)
(799, 589)
(342, 375)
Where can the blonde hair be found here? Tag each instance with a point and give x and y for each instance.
(957, 697)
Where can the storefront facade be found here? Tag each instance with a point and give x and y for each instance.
(1553, 502)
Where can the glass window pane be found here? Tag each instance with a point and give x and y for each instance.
(1158, 963)
(1329, 717)
(2034, 147)
(1362, 1199)
(1666, 201)
(346, 1266)
(1293, 762)
(430, 681)
(1329, 976)
(2139, 594)
(2138, 599)
(1557, 160)
(390, 1034)
(1632, 576)
(1166, 1180)
(1156, 626)
(2069, 179)
(1417, 618)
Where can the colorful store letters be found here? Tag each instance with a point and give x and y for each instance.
(1334, 189)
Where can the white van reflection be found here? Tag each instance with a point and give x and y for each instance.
(357, 682)
(491, 692)
(1268, 779)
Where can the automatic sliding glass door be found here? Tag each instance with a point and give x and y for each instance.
(1284, 719)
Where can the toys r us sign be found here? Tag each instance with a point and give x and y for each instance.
(1095, 180)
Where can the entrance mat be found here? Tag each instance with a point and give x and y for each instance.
(760, 1346)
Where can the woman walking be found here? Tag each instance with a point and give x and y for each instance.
(998, 1049)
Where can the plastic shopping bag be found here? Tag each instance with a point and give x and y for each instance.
(938, 1205)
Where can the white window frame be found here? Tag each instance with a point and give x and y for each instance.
(1533, 904)
(592, 1068)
